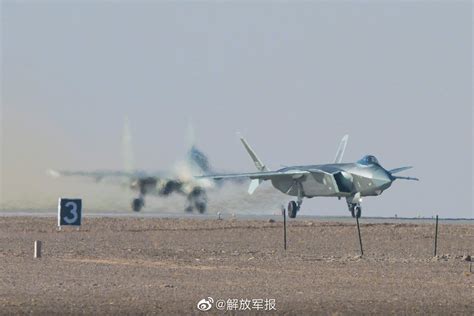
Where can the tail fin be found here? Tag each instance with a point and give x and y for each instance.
(258, 163)
(341, 149)
(195, 158)
(127, 150)
(198, 161)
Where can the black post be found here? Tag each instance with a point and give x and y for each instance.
(436, 237)
(284, 228)
(360, 238)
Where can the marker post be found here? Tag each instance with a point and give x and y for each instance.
(436, 237)
(283, 211)
(360, 238)
(37, 253)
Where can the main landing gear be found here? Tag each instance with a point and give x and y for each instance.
(197, 199)
(294, 206)
(142, 185)
(138, 204)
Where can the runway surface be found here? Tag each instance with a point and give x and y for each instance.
(254, 215)
(141, 265)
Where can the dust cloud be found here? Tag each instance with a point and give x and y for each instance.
(31, 146)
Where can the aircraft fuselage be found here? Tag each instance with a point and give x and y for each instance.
(337, 180)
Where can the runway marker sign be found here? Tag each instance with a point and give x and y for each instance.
(69, 212)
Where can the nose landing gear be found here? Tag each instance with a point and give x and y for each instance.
(353, 203)
(355, 209)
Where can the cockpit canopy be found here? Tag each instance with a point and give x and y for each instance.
(368, 160)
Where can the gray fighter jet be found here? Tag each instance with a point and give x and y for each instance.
(159, 183)
(351, 181)
(164, 183)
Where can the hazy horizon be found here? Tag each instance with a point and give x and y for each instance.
(292, 77)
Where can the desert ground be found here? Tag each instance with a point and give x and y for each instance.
(167, 265)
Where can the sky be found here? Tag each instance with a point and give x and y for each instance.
(292, 77)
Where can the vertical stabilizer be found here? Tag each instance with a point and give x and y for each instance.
(258, 163)
(341, 149)
(127, 150)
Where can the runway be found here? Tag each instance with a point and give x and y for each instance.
(251, 215)
(134, 264)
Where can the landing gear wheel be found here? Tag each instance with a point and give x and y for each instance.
(197, 199)
(352, 212)
(137, 204)
(292, 209)
(357, 211)
(201, 207)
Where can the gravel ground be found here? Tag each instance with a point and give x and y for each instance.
(166, 266)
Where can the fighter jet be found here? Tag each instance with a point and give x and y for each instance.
(351, 181)
(159, 183)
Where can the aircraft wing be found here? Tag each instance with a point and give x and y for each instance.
(101, 174)
(322, 182)
(264, 175)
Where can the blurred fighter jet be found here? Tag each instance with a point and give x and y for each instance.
(163, 183)
(351, 181)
